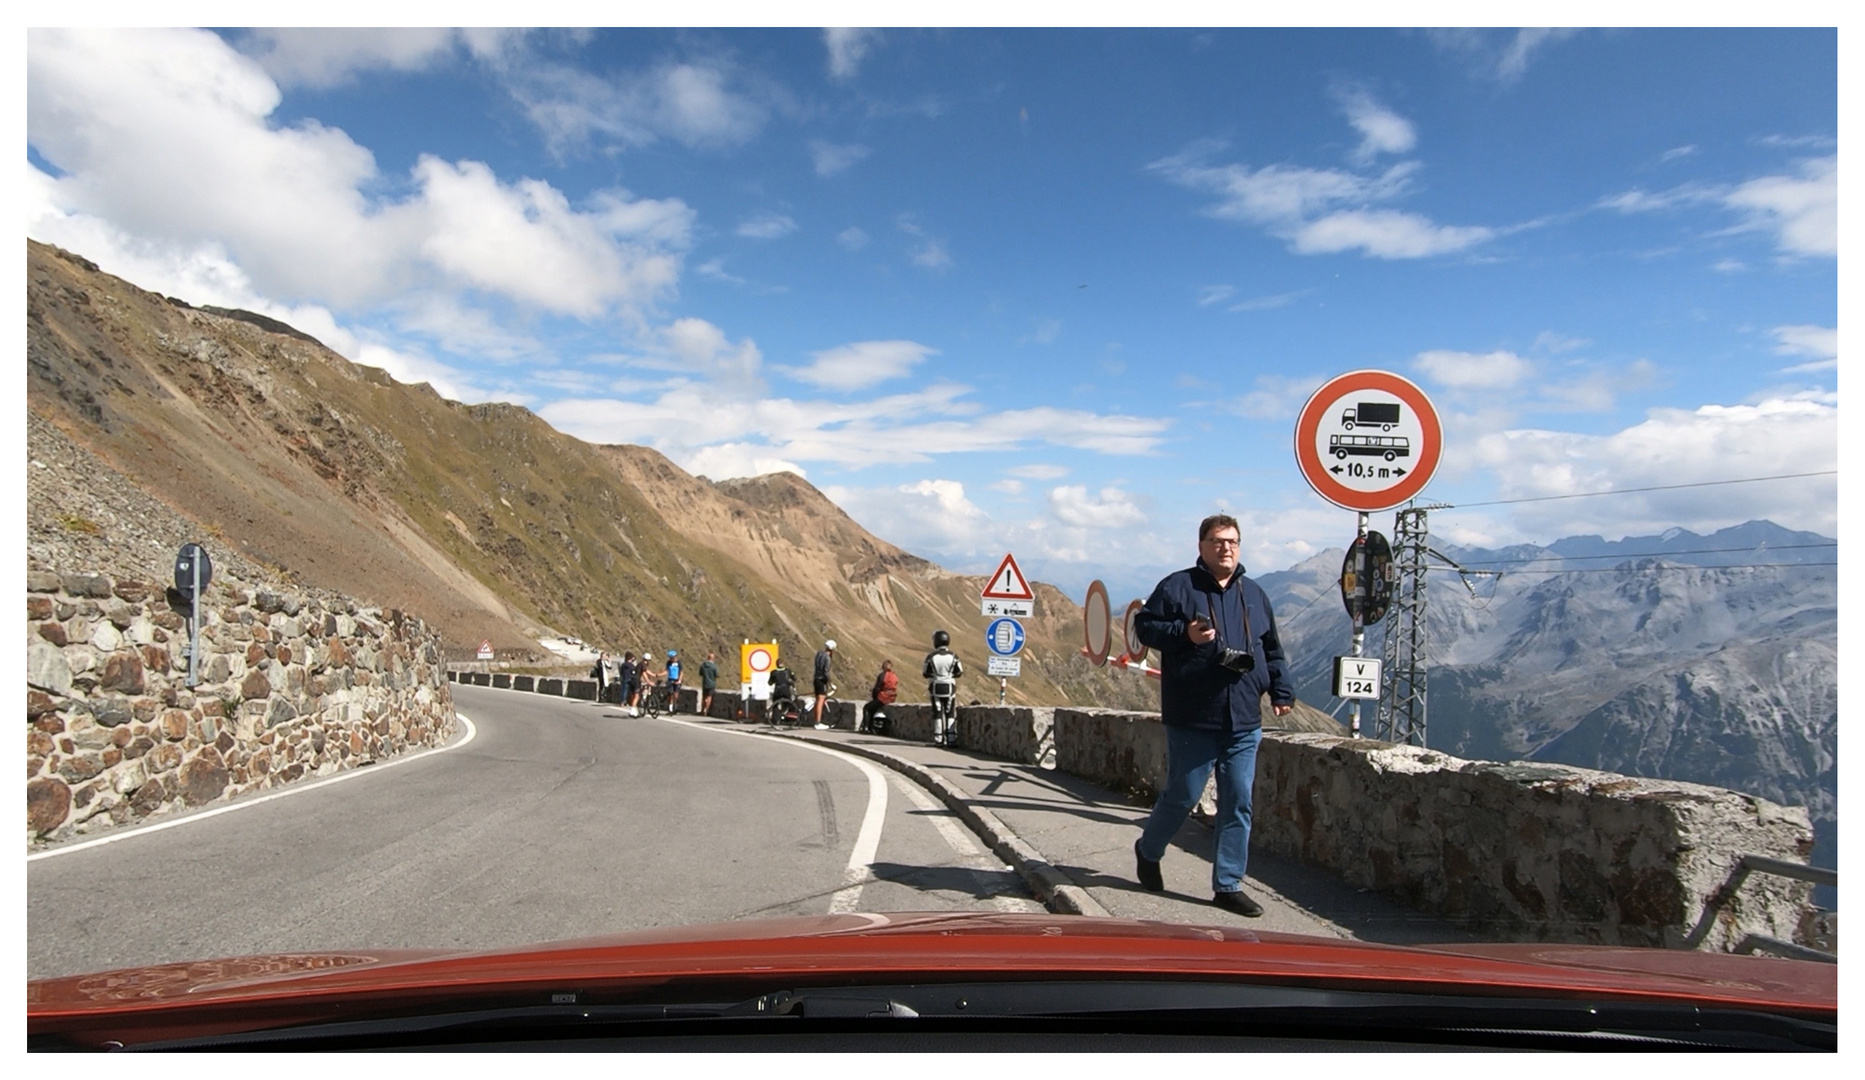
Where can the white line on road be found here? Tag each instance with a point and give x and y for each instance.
(296, 789)
(867, 842)
(960, 840)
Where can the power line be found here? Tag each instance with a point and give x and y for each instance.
(1629, 491)
(1653, 554)
(1638, 569)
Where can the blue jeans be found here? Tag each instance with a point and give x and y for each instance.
(1190, 756)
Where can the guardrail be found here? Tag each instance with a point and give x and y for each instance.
(1751, 943)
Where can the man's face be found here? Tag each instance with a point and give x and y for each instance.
(1219, 550)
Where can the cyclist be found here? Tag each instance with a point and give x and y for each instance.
(942, 672)
(783, 704)
(673, 681)
(647, 685)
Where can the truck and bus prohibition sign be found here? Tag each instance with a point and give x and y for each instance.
(1368, 440)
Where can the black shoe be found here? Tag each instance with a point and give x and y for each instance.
(1147, 870)
(1238, 902)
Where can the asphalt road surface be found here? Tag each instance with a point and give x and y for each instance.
(559, 819)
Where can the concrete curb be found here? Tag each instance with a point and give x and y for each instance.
(1057, 890)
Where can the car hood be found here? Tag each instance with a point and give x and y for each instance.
(250, 992)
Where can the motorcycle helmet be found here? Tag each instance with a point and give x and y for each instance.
(941, 639)
(830, 644)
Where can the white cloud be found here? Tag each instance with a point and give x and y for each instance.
(1499, 54)
(1275, 397)
(702, 348)
(1382, 131)
(1819, 342)
(1803, 210)
(847, 47)
(1008, 487)
(1386, 234)
(1038, 471)
(1775, 437)
(767, 226)
(904, 428)
(1045, 332)
(852, 238)
(1112, 508)
(726, 461)
(1468, 371)
(1514, 59)
(166, 135)
(1215, 294)
(831, 159)
(525, 241)
(862, 364)
(1300, 205)
(324, 56)
(1678, 152)
(1549, 341)
(701, 103)
(1270, 302)
(928, 516)
(933, 256)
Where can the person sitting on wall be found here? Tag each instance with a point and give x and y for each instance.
(886, 689)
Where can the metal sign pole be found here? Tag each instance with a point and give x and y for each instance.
(1003, 685)
(194, 627)
(1359, 633)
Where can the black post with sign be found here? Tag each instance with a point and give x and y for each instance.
(194, 571)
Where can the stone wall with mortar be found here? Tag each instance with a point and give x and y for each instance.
(1520, 850)
(291, 685)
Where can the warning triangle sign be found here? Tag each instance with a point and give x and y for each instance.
(1008, 583)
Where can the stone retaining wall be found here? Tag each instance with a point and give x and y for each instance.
(1519, 850)
(291, 685)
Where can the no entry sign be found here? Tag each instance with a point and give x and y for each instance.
(1368, 440)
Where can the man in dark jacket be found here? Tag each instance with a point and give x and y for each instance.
(1219, 654)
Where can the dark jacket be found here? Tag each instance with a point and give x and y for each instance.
(1194, 690)
(708, 675)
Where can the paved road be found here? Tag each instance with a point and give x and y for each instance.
(560, 819)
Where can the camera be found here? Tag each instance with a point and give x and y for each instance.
(1235, 660)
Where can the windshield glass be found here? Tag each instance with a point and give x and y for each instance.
(497, 487)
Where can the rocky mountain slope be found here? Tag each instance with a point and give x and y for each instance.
(1677, 656)
(483, 519)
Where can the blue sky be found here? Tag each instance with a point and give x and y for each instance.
(1060, 292)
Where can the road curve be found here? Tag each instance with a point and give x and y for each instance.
(561, 819)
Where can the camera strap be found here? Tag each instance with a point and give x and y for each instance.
(1211, 614)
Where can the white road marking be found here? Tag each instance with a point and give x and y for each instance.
(860, 869)
(295, 789)
(960, 840)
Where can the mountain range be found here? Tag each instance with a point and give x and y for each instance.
(1710, 658)
(485, 520)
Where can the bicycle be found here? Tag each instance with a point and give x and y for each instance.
(655, 702)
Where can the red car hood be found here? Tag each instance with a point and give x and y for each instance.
(252, 992)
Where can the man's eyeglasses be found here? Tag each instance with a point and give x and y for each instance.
(1217, 542)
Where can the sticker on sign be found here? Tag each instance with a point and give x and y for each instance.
(1016, 609)
(1004, 666)
(1356, 677)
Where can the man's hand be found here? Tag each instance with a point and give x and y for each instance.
(1282, 710)
(1198, 631)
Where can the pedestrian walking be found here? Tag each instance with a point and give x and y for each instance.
(708, 682)
(824, 658)
(1219, 654)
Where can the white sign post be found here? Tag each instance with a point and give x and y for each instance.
(1366, 441)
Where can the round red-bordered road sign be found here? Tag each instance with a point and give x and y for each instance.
(1368, 440)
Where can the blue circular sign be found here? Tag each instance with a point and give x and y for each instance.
(1004, 637)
